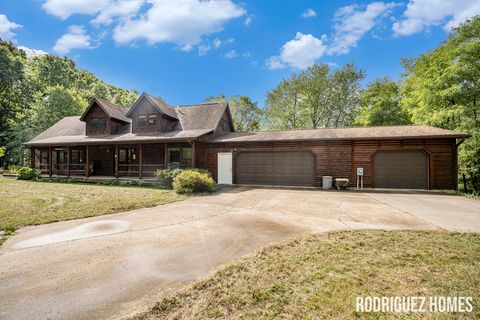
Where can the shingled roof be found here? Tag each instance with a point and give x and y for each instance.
(71, 130)
(112, 110)
(359, 133)
(201, 116)
(194, 122)
(157, 103)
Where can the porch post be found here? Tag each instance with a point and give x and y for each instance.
(68, 161)
(32, 157)
(193, 154)
(50, 161)
(116, 161)
(87, 163)
(165, 156)
(140, 160)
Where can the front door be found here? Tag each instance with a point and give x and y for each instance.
(225, 168)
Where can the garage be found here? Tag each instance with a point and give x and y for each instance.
(402, 170)
(276, 168)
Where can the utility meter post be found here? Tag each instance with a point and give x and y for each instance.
(360, 178)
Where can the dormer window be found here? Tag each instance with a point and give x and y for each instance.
(98, 123)
(152, 120)
(142, 121)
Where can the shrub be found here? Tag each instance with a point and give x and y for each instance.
(165, 177)
(26, 173)
(192, 181)
(135, 183)
(112, 182)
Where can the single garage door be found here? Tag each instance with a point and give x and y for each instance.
(276, 168)
(403, 170)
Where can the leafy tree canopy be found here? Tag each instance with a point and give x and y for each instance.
(245, 113)
(314, 98)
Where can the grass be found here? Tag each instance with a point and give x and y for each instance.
(319, 277)
(29, 203)
(471, 195)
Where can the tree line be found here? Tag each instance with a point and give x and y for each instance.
(440, 88)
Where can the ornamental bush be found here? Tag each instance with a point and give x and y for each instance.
(193, 181)
(165, 177)
(26, 173)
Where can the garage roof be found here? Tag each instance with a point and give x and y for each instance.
(359, 133)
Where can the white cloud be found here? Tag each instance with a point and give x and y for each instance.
(182, 22)
(31, 53)
(65, 8)
(301, 52)
(353, 22)
(120, 8)
(421, 14)
(7, 27)
(248, 21)
(309, 13)
(231, 54)
(75, 38)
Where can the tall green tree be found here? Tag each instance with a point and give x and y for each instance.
(35, 93)
(442, 88)
(245, 113)
(380, 104)
(317, 97)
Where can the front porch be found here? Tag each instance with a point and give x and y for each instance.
(130, 161)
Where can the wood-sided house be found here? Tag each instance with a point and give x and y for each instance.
(111, 141)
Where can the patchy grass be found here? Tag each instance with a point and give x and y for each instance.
(319, 277)
(471, 195)
(28, 203)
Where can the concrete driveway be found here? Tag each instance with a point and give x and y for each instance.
(116, 265)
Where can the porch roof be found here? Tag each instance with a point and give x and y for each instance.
(71, 131)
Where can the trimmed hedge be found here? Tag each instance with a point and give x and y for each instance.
(190, 181)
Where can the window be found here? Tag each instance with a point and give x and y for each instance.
(98, 123)
(173, 157)
(142, 121)
(186, 157)
(77, 157)
(152, 120)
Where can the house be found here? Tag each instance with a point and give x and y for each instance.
(108, 140)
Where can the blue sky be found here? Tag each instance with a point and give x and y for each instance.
(186, 50)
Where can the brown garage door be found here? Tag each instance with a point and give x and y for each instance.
(403, 170)
(276, 168)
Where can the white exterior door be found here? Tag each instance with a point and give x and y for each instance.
(224, 168)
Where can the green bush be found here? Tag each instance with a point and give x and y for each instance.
(193, 181)
(112, 182)
(165, 177)
(26, 173)
(135, 183)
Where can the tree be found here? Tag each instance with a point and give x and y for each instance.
(380, 105)
(35, 93)
(317, 97)
(245, 113)
(442, 88)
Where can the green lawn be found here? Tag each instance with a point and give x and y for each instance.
(26, 203)
(319, 277)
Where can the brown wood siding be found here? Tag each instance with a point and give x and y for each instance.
(341, 158)
(145, 108)
(113, 126)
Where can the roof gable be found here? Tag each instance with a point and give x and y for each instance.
(157, 103)
(201, 116)
(113, 111)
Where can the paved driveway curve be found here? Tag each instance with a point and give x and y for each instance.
(116, 265)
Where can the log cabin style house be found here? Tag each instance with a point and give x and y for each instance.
(112, 141)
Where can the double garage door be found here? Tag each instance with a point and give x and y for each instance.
(276, 168)
(396, 169)
(402, 170)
